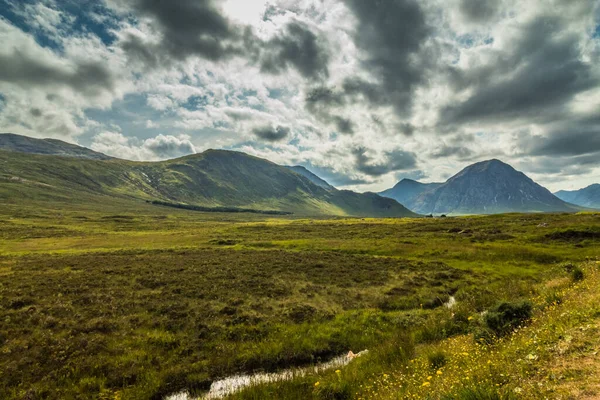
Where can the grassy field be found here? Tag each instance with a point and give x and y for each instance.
(140, 301)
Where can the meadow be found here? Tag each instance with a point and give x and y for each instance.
(140, 301)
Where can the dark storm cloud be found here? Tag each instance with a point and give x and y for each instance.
(321, 100)
(407, 129)
(566, 143)
(299, 47)
(272, 133)
(396, 160)
(535, 81)
(189, 27)
(559, 166)
(198, 28)
(479, 10)
(391, 34)
(344, 125)
(26, 71)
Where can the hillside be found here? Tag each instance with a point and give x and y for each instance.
(407, 190)
(586, 197)
(312, 177)
(25, 144)
(214, 178)
(489, 187)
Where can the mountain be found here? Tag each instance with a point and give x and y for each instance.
(407, 190)
(489, 187)
(312, 177)
(215, 178)
(586, 197)
(25, 144)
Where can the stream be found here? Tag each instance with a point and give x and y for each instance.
(232, 384)
(227, 386)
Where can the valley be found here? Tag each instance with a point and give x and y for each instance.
(145, 302)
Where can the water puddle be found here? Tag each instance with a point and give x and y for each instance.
(232, 384)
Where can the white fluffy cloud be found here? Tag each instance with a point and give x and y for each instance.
(161, 147)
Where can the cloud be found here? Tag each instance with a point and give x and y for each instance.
(193, 27)
(200, 28)
(299, 47)
(446, 151)
(415, 175)
(344, 125)
(161, 147)
(392, 34)
(565, 143)
(272, 133)
(167, 146)
(394, 161)
(27, 65)
(536, 79)
(479, 10)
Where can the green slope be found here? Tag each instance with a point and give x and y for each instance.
(25, 144)
(212, 179)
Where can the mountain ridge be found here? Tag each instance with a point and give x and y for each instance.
(214, 178)
(405, 191)
(585, 197)
(486, 187)
(317, 180)
(26, 144)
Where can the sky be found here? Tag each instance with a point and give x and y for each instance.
(363, 93)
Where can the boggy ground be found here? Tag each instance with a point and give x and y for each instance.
(139, 303)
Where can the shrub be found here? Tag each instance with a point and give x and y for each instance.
(507, 316)
(484, 336)
(577, 274)
(437, 359)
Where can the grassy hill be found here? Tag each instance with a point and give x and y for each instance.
(211, 179)
(25, 144)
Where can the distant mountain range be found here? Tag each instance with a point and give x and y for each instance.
(586, 197)
(488, 187)
(407, 190)
(34, 169)
(55, 170)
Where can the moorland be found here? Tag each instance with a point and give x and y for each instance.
(134, 300)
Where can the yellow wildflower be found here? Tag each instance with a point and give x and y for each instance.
(317, 384)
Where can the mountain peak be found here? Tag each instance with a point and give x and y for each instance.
(487, 187)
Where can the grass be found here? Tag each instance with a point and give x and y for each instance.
(135, 301)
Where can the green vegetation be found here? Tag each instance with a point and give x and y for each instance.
(219, 209)
(213, 179)
(130, 300)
